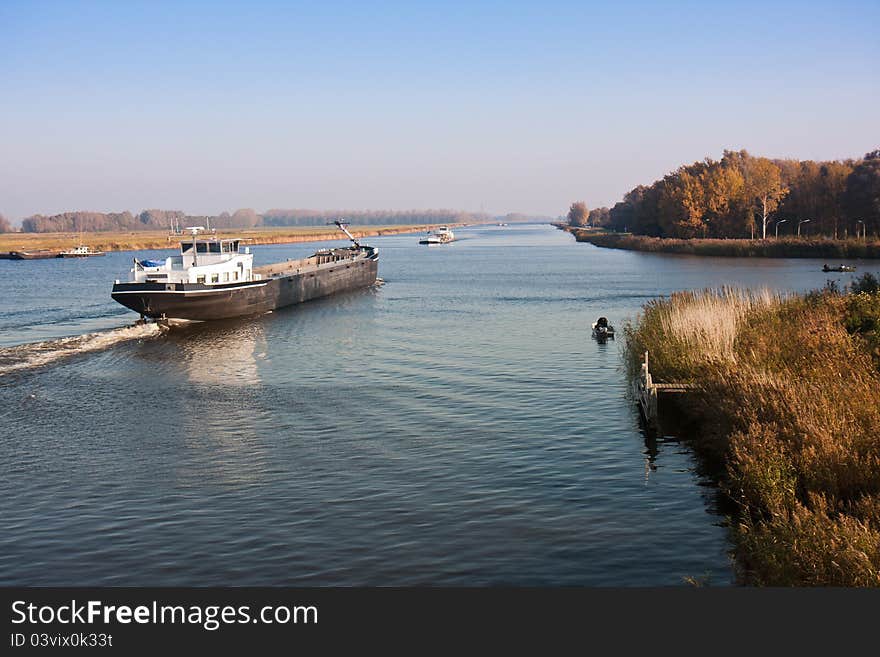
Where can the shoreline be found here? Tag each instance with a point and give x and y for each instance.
(782, 412)
(160, 240)
(783, 247)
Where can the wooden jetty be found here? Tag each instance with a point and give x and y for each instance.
(647, 392)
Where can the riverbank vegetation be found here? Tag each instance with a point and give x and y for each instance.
(743, 196)
(148, 240)
(786, 413)
(784, 247)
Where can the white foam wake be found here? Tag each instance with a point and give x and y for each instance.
(38, 354)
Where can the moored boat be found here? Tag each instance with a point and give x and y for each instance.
(38, 254)
(211, 279)
(81, 251)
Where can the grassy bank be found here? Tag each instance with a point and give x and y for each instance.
(148, 240)
(787, 415)
(784, 247)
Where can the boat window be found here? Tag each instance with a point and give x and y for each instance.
(215, 278)
(201, 247)
(186, 246)
(200, 279)
(235, 275)
(226, 277)
(215, 247)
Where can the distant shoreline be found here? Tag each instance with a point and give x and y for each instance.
(156, 240)
(783, 247)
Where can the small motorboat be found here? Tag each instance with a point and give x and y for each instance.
(602, 330)
(826, 268)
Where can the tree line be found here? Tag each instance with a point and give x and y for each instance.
(244, 218)
(741, 195)
(277, 217)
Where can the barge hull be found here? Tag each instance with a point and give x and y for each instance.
(29, 255)
(205, 302)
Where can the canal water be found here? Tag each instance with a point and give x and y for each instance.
(454, 426)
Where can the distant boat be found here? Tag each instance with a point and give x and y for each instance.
(440, 236)
(502, 224)
(826, 268)
(81, 251)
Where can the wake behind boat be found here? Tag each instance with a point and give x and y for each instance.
(211, 279)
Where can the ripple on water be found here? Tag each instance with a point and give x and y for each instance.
(455, 426)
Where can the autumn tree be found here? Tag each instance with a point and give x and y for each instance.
(639, 211)
(599, 217)
(832, 187)
(721, 198)
(245, 218)
(683, 204)
(763, 182)
(861, 197)
(578, 213)
(5, 226)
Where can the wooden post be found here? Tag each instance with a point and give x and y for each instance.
(646, 393)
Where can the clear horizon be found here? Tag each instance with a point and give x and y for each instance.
(501, 107)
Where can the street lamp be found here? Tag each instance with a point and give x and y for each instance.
(802, 221)
(781, 221)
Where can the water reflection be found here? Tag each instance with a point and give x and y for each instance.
(220, 412)
(221, 353)
(652, 450)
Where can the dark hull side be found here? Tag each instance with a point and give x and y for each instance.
(206, 302)
(28, 255)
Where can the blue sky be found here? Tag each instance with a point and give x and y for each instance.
(508, 106)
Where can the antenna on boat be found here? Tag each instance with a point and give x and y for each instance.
(195, 231)
(342, 227)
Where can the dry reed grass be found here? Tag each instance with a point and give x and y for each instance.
(692, 330)
(788, 408)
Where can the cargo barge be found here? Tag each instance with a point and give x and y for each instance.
(211, 279)
(39, 254)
